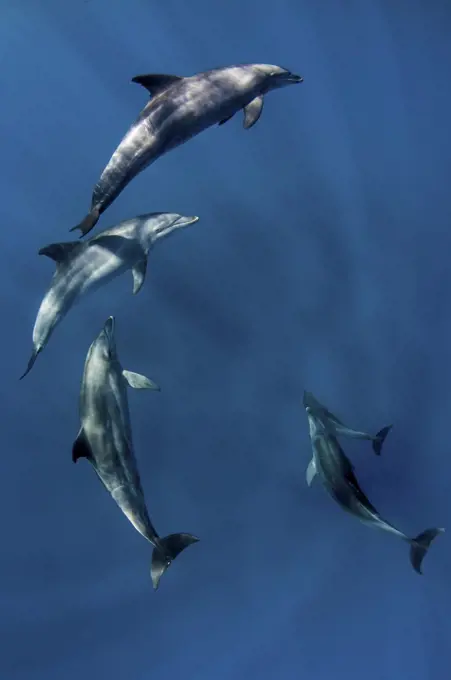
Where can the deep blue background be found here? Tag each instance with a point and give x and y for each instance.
(321, 261)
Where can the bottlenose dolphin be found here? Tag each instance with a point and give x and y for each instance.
(105, 439)
(85, 266)
(336, 473)
(180, 108)
(339, 429)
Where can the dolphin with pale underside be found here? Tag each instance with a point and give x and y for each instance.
(179, 109)
(338, 429)
(336, 473)
(105, 439)
(84, 266)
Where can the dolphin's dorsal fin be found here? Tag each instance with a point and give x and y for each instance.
(59, 251)
(139, 275)
(155, 82)
(81, 448)
(252, 112)
(139, 382)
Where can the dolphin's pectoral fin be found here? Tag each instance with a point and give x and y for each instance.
(311, 472)
(59, 251)
(139, 274)
(224, 120)
(155, 82)
(81, 448)
(139, 382)
(252, 112)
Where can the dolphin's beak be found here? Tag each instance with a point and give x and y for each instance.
(185, 221)
(109, 329)
(293, 78)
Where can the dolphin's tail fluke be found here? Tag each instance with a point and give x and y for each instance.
(379, 439)
(420, 545)
(88, 223)
(167, 550)
(33, 357)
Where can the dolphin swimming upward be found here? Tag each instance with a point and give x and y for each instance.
(337, 428)
(105, 439)
(85, 266)
(180, 108)
(337, 476)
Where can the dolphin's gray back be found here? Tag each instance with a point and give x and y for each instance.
(172, 117)
(192, 104)
(105, 420)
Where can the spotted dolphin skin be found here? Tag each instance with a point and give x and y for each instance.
(179, 109)
(85, 266)
(336, 473)
(105, 439)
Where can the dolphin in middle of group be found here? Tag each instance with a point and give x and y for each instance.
(336, 473)
(105, 439)
(180, 108)
(83, 266)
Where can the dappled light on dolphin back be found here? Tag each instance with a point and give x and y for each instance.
(85, 266)
(200, 101)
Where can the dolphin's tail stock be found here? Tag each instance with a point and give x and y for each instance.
(167, 550)
(88, 223)
(379, 439)
(31, 361)
(420, 545)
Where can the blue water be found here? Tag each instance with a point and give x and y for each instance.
(321, 261)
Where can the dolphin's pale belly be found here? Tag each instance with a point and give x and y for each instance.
(100, 264)
(100, 271)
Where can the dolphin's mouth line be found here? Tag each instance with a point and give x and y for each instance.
(186, 221)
